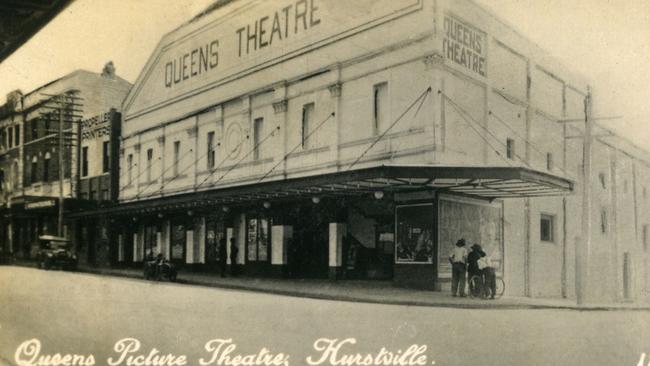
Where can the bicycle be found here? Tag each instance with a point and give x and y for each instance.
(477, 289)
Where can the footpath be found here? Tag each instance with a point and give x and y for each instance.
(375, 292)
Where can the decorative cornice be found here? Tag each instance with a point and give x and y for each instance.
(161, 140)
(434, 59)
(136, 147)
(335, 90)
(280, 106)
(191, 132)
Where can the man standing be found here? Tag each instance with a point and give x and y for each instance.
(223, 256)
(234, 250)
(458, 260)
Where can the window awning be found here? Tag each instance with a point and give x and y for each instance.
(483, 182)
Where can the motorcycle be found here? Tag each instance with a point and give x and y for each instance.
(160, 270)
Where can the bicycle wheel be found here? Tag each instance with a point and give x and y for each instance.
(501, 288)
(476, 286)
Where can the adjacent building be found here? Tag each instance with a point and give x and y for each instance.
(31, 151)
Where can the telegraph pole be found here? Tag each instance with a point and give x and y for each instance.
(583, 248)
(61, 168)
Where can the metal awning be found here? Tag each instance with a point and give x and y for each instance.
(483, 182)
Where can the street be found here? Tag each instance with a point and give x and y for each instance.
(83, 314)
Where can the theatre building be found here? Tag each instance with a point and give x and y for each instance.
(31, 152)
(361, 140)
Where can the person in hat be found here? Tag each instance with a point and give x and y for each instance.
(472, 261)
(458, 260)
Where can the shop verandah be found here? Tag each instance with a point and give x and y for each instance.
(384, 222)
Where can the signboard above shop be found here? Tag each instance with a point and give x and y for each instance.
(245, 36)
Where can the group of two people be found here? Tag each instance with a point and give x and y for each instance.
(467, 264)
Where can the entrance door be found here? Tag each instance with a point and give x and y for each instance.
(178, 243)
(215, 231)
(311, 239)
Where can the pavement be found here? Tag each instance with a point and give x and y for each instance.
(374, 292)
(90, 314)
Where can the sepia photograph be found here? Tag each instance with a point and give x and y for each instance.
(324, 182)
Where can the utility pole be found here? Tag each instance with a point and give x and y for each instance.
(61, 168)
(583, 248)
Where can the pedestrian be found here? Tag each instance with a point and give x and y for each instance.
(234, 250)
(458, 260)
(488, 275)
(472, 265)
(223, 256)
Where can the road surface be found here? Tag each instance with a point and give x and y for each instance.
(88, 315)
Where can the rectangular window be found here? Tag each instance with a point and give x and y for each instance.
(93, 195)
(129, 163)
(33, 177)
(307, 116)
(380, 107)
(510, 148)
(106, 156)
(84, 161)
(258, 130)
(211, 151)
(177, 156)
(46, 170)
(17, 135)
(9, 137)
(603, 221)
(549, 161)
(258, 238)
(547, 228)
(149, 163)
(105, 196)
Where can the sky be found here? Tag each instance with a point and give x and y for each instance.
(607, 41)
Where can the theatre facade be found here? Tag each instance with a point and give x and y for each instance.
(361, 140)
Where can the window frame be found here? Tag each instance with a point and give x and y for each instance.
(129, 163)
(551, 231)
(511, 148)
(258, 128)
(106, 156)
(211, 152)
(308, 109)
(376, 105)
(177, 157)
(149, 163)
(84, 161)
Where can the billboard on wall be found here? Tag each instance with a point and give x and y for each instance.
(251, 35)
(477, 223)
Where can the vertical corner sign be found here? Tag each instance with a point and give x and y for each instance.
(465, 45)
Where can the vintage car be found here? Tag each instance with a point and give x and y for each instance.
(55, 251)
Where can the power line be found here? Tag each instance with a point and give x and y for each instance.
(297, 146)
(245, 156)
(462, 114)
(422, 97)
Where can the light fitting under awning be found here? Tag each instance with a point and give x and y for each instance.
(483, 182)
